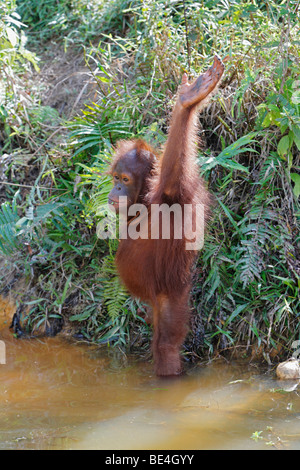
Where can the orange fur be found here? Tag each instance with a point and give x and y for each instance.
(158, 271)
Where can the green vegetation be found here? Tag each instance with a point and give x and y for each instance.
(53, 184)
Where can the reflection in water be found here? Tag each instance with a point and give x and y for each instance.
(55, 394)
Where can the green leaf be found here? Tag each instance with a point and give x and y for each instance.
(267, 120)
(283, 145)
(296, 178)
(12, 36)
(296, 131)
(235, 313)
(80, 316)
(227, 212)
(297, 142)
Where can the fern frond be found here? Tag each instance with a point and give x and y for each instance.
(115, 296)
(226, 157)
(87, 135)
(260, 228)
(9, 242)
(99, 199)
(114, 293)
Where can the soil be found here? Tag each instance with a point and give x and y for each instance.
(65, 82)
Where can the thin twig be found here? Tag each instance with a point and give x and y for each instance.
(47, 140)
(187, 37)
(30, 187)
(284, 40)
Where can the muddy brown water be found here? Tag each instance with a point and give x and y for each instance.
(57, 394)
